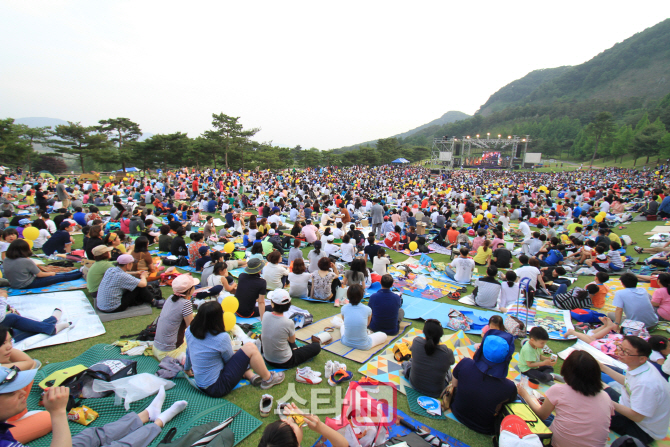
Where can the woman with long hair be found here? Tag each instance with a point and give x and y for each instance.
(429, 369)
(140, 253)
(23, 273)
(210, 358)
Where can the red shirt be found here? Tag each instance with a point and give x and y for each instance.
(391, 239)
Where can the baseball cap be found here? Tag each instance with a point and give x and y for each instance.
(308, 221)
(65, 224)
(272, 231)
(100, 250)
(24, 221)
(183, 283)
(279, 296)
(202, 250)
(330, 238)
(494, 354)
(12, 379)
(125, 259)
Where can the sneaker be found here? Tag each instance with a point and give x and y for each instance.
(266, 405)
(256, 380)
(557, 378)
(307, 368)
(307, 377)
(339, 376)
(275, 379)
(330, 368)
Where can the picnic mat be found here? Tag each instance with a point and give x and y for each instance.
(61, 286)
(613, 286)
(200, 410)
(544, 314)
(336, 347)
(398, 430)
(420, 309)
(76, 309)
(385, 368)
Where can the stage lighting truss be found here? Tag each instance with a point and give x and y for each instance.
(453, 152)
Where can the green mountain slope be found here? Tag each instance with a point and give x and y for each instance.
(637, 67)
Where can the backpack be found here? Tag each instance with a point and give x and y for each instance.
(147, 334)
(515, 326)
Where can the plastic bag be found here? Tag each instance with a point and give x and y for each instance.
(133, 388)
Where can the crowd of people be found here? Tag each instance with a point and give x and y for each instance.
(350, 219)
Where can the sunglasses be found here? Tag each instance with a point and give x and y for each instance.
(11, 376)
(625, 352)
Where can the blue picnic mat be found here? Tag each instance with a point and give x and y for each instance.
(420, 309)
(61, 286)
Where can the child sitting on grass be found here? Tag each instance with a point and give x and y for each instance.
(532, 363)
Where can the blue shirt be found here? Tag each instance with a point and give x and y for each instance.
(6, 438)
(211, 206)
(80, 218)
(665, 205)
(554, 257)
(636, 305)
(385, 305)
(245, 240)
(208, 357)
(576, 211)
(356, 326)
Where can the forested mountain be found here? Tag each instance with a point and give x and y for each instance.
(637, 67)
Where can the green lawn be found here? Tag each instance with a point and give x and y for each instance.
(248, 397)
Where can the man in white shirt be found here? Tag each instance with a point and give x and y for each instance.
(528, 271)
(643, 410)
(463, 267)
(433, 216)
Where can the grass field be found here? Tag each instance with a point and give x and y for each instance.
(248, 397)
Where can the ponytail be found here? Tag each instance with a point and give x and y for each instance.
(511, 278)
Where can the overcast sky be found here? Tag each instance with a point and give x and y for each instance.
(318, 74)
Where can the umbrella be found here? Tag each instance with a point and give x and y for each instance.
(400, 160)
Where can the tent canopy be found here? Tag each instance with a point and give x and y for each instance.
(46, 174)
(400, 160)
(133, 169)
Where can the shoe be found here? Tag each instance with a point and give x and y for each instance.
(275, 379)
(266, 405)
(256, 380)
(339, 376)
(307, 377)
(307, 368)
(557, 378)
(330, 368)
(638, 249)
(339, 366)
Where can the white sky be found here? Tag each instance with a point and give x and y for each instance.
(318, 74)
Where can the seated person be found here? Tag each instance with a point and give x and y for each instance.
(501, 256)
(429, 370)
(531, 361)
(142, 257)
(216, 369)
(165, 240)
(463, 266)
(23, 327)
(204, 258)
(12, 357)
(481, 384)
(251, 291)
(387, 312)
(119, 289)
(129, 430)
(634, 302)
(356, 318)
(287, 433)
(23, 273)
(221, 278)
(178, 247)
(175, 317)
(643, 409)
(487, 289)
(324, 281)
(278, 337)
(61, 241)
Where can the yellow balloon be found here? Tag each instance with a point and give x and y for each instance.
(229, 247)
(229, 321)
(111, 178)
(489, 215)
(599, 218)
(31, 233)
(485, 206)
(413, 246)
(657, 172)
(30, 243)
(125, 179)
(230, 304)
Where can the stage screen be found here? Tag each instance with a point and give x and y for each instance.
(533, 157)
(445, 156)
(490, 158)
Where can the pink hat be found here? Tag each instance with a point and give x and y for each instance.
(183, 283)
(125, 259)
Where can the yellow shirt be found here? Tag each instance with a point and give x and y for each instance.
(30, 200)
(614, 238)
(482, 255)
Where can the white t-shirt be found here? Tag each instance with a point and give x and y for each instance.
(528, 271)
(379, 264)
(508, 295)
(650, 396)
(605, 206)
(42, 238)
(299, 284)
(525, 229)
(348, 252)
(463, 268)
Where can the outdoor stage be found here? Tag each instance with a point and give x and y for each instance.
(483, 153)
